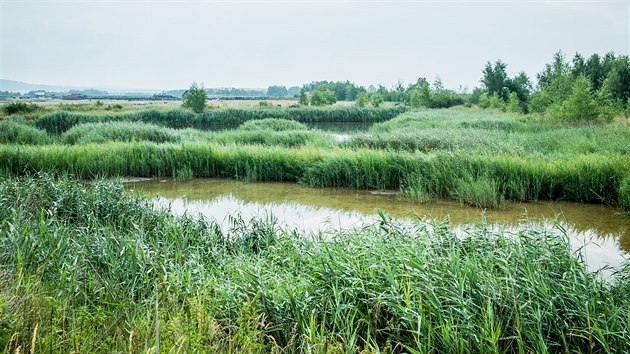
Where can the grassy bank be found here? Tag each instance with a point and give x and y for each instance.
(90, 269)
(585, 178)
(491, 132)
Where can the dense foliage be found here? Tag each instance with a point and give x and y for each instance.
(592, 90)
(19, 107)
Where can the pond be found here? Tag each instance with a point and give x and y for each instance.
(603, 231)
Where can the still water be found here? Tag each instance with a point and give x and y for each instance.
(601, 229)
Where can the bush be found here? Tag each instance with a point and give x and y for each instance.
(16, 133)
(195, 98)
(19, 107)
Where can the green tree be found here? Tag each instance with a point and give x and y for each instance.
(277, 91)
(425, 96)
(415, 100)
(376, 100)
(495, 79)
(580, 106)
(302, 98)
(555, 83)
(495, 101)
(317, 98)
(362, 99)
(616, 86)
(329, 97)
(513, 104)
(195, 98)
(484, 101)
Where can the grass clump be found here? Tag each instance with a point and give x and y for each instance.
(288, 139)
(118, 131)
(481, 193)
(19, 108)
(61, 121)
(272, 124)
(12, 132)
(98, 270)
(583, 178)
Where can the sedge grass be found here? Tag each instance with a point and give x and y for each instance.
(91, 269)
(584, 178)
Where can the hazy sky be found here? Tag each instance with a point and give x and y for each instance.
(169, 44)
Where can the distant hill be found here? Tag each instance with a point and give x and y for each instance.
(23, 87)
(18, 86)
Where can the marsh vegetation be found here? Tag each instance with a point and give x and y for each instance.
(88, 267)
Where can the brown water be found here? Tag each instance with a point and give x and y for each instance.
(604, 232)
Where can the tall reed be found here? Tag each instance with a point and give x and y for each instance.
(88, 268)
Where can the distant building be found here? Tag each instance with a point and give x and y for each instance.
(35, 94)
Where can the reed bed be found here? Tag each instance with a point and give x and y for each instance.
(13, 132)
(490, 132)
(481, 158)
(60, 122)
(272, 124)
(583, 178)
(88, 268)
(118, 131)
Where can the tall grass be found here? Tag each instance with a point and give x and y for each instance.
(477, 157)
(286, 138)
(490, 132)
(118, 131)
(272, 124)
(12, 132)
(585, 178)
(91, 269)
(59, 122)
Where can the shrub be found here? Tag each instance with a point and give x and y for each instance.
(19, 107)
(376, 100)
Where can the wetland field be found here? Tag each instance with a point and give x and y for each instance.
(312, 229)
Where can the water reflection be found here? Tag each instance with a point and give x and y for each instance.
(604, 232)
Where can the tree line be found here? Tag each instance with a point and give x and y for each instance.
(593, 88)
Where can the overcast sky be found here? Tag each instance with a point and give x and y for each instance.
(169, 44)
